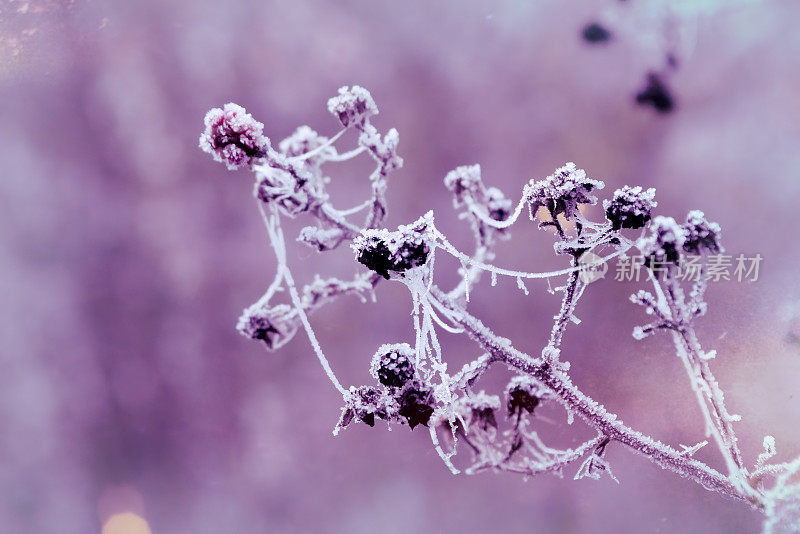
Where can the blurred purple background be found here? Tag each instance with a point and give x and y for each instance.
(126, 254)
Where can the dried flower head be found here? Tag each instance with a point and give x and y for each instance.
(233, 137)
(463, 181)
(416, 403)
(353, 105)
(383, 251)
(392, 365)
(631, 207)
(562, 191)
(662, 246)
(497, 204)
(366, 402)
(303, 140)
(702, 236)
(479, 409)
(274, 326)
(523, 393)
(274, 185)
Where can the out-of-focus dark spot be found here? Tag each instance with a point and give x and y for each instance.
(656, 94)
(672, 60)
(595, 33)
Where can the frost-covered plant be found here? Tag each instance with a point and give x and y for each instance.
(412, 383)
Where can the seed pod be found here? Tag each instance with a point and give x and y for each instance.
(392, 366)
(630, 207)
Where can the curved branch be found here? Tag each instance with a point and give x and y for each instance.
(594, 414)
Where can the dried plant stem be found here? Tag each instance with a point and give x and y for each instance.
(414, 386)
(592, 413)
(710, 396)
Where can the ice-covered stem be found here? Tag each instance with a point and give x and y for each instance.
(590, 411)
(312, 200)
(277, 325)
(384, 152)
(662, 248)
(568, 303)
(353, 107)
(489, 214)
(559, 461)
(276, 239)
(710, 395)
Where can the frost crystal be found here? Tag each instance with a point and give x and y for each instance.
(383, 251)
(630, 207)
(594, 466)
(391, 364)
(353, 105)
(702, 236)
(233, 137)
(563, 191)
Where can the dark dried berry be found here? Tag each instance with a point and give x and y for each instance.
(383, 251)
(630, 208)
(392, 365)
(595, 33)
(378, 257)
(656, 94)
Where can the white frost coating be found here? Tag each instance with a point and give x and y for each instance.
(480, 212)
(521, 285)
(594, 466)
(708, 355)
(691, 450)
(770, 450)
(450, 249)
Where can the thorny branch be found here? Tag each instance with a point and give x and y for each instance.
(414, 386)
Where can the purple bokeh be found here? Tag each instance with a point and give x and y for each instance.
(127, 254)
